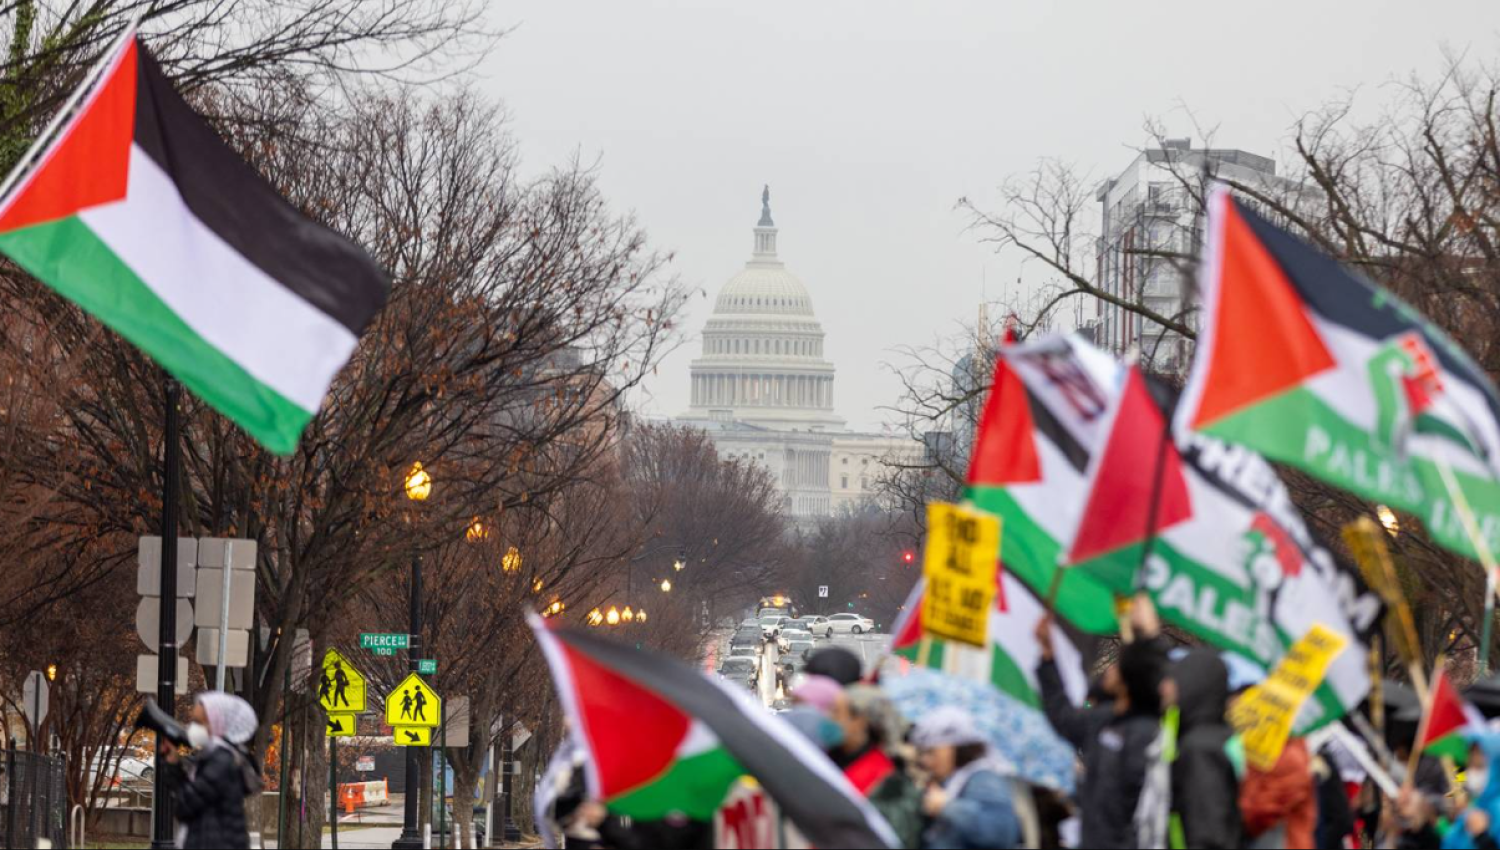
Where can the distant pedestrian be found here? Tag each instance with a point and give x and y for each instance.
(209, 788)
(969, 801)
(1478, 826)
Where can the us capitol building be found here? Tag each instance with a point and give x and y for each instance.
(763, 391)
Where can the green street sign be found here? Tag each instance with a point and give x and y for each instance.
(384, 644)
(427, 666)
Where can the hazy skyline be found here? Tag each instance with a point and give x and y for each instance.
(869, 119)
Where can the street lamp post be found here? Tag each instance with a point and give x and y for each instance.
(418, 488)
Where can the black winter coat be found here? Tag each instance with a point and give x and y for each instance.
(211, 804)
(1205, 788)
(1113, 748)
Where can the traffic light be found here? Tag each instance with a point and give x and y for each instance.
(908, 557)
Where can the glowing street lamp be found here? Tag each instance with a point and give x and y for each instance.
(477, 532)
(596, 617)
(666, 585)
(640, 616)
(51, 672)
(511, 562)
(613, 617)
(418, 484)
(1388, 519)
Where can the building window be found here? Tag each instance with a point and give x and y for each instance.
(845, 485)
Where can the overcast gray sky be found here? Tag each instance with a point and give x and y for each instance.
(869, 118)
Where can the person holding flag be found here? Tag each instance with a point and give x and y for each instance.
(1478, 826)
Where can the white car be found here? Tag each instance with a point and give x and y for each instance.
(841, 624)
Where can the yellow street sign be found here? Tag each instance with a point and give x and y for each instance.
(412, 736)
(961, 567)
(341, 725)
(413, 703)
(341, 688)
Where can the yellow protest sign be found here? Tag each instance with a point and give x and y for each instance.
(963, 555)
(413, 703)
(1264, 714)
(412, 736)
(341, 688)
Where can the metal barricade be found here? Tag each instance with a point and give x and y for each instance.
(33, 800)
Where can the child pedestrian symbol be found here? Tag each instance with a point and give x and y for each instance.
(421, 707)
(406, 703)
(340, 684)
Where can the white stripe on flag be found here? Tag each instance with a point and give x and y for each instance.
(281, 340)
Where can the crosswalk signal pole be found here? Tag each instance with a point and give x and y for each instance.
(411, 833)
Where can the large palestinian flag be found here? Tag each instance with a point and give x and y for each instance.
(1313, 365)
(137, 211)
(1232, 561)
(1010, 660)
(662, 738)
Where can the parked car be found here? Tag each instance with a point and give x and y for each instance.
(813, 624)
(840, 624)
(744, 669)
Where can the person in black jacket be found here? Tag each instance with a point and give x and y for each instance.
(1205, 788)
(1113, 739)
(209, 788)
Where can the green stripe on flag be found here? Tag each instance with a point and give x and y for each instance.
(694, 786)
(68, 256)
(1006, 676)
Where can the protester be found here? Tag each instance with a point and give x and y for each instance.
(1113, 739)
(836, 663)
(969, 800)
(1335, 814)
(819, 692)
(209, 788)
(872, 728)
(1279, 807)
(1205, 786)
(1478, 826)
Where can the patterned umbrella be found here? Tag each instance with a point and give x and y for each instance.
(1019, 734)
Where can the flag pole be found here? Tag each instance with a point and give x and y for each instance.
(89, 82)
(1486, 558)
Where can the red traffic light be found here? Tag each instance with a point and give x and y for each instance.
(908, 557)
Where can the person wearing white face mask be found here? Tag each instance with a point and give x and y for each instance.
(209, 788)
(1478, 826)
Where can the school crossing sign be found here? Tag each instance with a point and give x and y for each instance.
(413, 709)
(341, 693)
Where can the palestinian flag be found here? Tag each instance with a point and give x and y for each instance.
(1233, 561)
(1011, 659)
(1448, 721)
(663, 739)
(1313, 365)
(138, 212)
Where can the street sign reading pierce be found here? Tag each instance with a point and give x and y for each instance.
(383, 644)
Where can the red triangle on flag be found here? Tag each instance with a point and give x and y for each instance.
(1005, 450)
(1255, 303)
(632, 734)
(1445, 714)
(89, 163)
(1118, 511)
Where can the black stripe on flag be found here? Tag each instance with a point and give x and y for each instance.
(224, 192)
(810, 790)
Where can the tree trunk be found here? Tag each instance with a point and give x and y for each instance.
(424, 798)
(313, 789)
(464, 781)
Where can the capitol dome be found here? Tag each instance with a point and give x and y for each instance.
(762, 361)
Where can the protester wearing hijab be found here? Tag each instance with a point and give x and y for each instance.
(970, 799)
(210, 787)
(1478, 827)
(1205, 787)
(872, 728)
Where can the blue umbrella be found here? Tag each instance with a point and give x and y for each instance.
(1019, 734)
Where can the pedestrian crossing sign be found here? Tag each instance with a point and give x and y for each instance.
(412, 736)
(341, 688)
(342, 725)
(413, 703)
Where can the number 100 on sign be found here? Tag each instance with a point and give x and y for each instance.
(961, 568)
